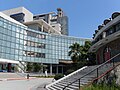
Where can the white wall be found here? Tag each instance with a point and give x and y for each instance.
(28, 14)
(57, 27)
(10, 19)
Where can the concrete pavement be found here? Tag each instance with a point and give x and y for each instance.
(31, 84)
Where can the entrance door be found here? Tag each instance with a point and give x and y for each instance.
(107, 55)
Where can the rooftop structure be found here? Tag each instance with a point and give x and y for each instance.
(20, 14)
(57, 20)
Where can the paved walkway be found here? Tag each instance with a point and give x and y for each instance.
(11, 75)
(31, 84)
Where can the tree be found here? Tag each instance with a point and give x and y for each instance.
(33, 67)
(86, 55)
(29, 66)
(81, 55)
(84, 52)
(75, 52)
(36, 67)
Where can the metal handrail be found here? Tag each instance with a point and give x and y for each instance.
(106, 72)
(93, 70)
(103, 75)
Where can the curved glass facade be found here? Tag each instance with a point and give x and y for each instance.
(22, 44)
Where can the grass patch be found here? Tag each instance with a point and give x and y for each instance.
(102, 87)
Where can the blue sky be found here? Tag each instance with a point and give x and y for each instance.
(84, 15)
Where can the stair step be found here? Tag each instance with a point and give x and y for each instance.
(74, 87)
(56, 88)
(68, 88)
(58, 85)
(76, 84)
(51, 88)
(74, 78)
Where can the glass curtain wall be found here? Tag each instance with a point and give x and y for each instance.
(22, 44)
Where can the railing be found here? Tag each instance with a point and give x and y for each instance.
(98, 71)
(66, 76)
(104, 85)
(106, 73)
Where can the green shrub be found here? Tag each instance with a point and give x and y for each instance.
(58, 76)
(69, 71)
(102, 87)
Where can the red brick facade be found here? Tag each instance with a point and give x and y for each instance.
(113, 48)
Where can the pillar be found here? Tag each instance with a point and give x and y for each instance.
(57, 69)
(48, 29)
(50, 69)
(41, 68)
(42, 28)
(2, 66)
(9, 67)
(62, 69)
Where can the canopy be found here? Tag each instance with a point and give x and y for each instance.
(8, 61)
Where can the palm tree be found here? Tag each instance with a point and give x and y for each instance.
(75, 52)
(84, 52)
(86, 55)
(80, 55)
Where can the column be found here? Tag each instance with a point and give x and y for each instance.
(41, 68)
(48, 29)
(50, 69)
(9, 67)
(57, 69)
(42, 27)
(62, 69)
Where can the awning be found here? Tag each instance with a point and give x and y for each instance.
(8, 61)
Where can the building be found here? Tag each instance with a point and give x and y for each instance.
(106, 39)
(58, 21)
(28, 40)
(20, 14)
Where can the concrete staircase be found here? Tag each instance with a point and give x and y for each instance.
(87, 74)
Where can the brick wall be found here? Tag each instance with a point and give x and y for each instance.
(114, 49)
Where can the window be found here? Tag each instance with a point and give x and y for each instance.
(39, 28)
(53, 21)
(33, 34)
(36, 17)
(19, 17)
(1, 23)
(40, 55)
(53, 26)
(41, 45)
(35, 44)
(118, 27)
(5, 25)
(110, 31)
(34, 54)
(41, 36)
(28, 53)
